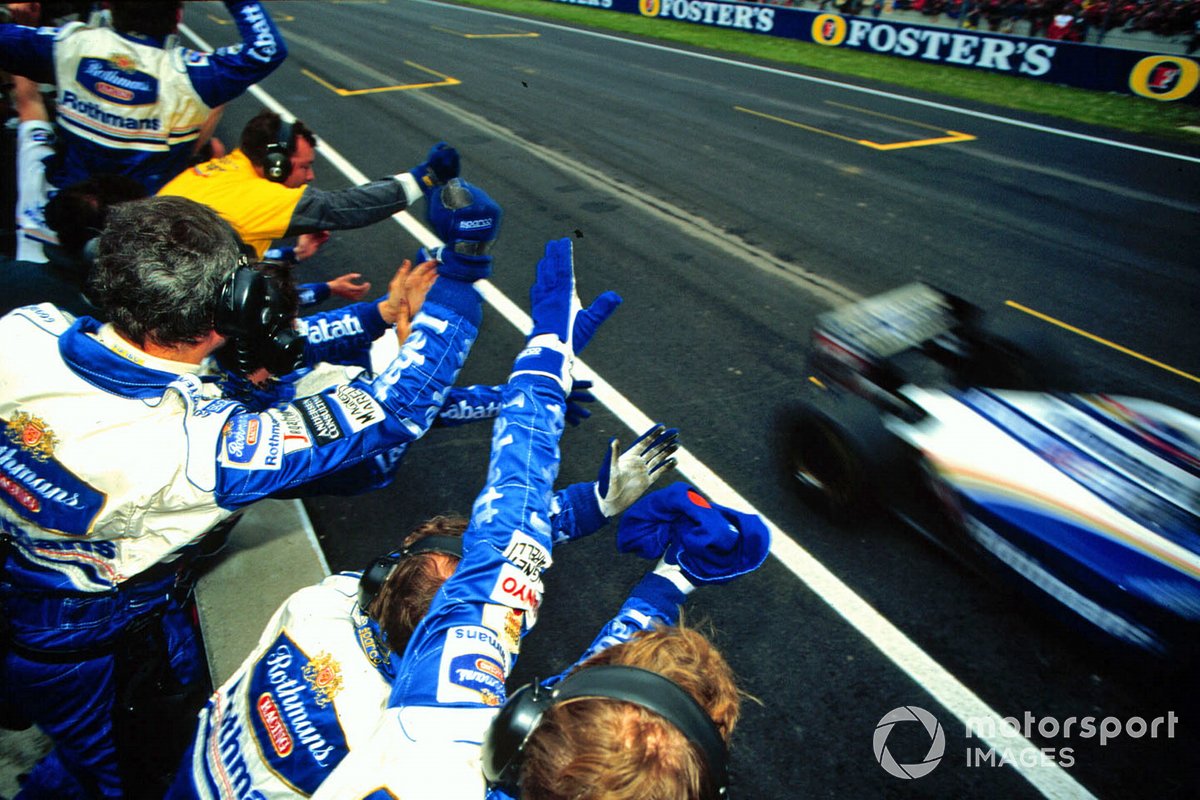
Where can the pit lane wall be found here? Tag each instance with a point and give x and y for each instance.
(1155, 76)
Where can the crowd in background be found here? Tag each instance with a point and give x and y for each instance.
(1066, 20)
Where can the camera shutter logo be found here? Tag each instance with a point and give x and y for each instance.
(937, 742)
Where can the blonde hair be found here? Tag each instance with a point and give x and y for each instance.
(590, 748)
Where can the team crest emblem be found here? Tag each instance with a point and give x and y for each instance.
(123, 63)
(512, 627)
(32, 435)
(324, 676)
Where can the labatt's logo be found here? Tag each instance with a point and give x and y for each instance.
(463, 410)
(1164, 77)
(322, 330)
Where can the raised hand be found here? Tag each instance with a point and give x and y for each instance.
(624, 477)
(406, 295)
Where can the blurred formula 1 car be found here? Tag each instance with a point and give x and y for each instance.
(1089, 502)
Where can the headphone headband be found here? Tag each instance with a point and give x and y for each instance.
(284, 137)
(378, 572)
(447, 545)
(503, 748)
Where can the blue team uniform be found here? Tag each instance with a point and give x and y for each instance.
(115, 466)
(135, 105)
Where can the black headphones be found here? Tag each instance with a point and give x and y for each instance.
(254, 316)
(277, 163)
(504, 745)
(376, 575)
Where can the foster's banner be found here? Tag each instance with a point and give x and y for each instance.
(1153, 75)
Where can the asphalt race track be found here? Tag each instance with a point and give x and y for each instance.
(729, 203)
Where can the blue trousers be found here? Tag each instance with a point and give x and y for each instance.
(131, 644)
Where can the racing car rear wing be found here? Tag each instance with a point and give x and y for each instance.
(854, 346)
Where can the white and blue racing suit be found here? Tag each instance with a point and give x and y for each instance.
(451, 679)
(343, 344)
(115, 465)
(134, 105)
(313, 689)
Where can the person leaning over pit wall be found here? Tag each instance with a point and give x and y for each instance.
(122, 456)
(264, 189)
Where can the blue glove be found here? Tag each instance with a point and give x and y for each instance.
(624, 477)
(554, 306)
(579, 394)
(468, 221)
(551, 348)
(438, 167)
(590, 318)
(707, 542)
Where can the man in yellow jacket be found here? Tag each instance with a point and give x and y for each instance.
(263, 189)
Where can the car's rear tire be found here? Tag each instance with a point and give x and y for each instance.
(837, 456)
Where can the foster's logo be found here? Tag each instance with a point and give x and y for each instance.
(1165, 77)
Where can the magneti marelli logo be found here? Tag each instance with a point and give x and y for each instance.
(937, 742)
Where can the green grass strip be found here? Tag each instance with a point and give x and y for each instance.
(1106, 109)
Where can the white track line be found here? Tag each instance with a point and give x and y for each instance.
(1048, 778)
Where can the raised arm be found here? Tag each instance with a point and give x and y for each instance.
(285, 446)
(451, 677)
(359, 206)
(227, 73)
(509, 540)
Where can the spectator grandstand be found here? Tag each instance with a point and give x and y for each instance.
(1137, 24)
